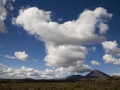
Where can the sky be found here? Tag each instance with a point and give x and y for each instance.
(57, 38)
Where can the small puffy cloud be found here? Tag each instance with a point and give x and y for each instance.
(10, 57)
(111, 47)
(64, 42)
(21, 55)
(108, 58)
(96, 63)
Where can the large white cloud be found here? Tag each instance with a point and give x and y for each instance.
(69, 58)
(3, 14)
(80, 31)
(64, 41)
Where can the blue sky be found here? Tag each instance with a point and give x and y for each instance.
(56, 38)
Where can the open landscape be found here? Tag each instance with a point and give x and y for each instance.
(95, 80)
(85, 84)
(59, 44)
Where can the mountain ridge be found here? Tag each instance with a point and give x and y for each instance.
(97, 74)
(92, 74)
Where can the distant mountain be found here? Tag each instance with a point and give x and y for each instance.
(96, 74)
(74, 77)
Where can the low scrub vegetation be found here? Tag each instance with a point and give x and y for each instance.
(86, 84)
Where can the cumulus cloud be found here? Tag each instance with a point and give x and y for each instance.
(23, 72)
(112, 50)
(103, 28)
(65, 55)
(64, 41)
(3, 14)
(21, 55)
(96, 63)
(108, 58)
(111, 47)
(80, 31)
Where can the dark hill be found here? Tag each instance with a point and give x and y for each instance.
(96, 74)
(74, 77)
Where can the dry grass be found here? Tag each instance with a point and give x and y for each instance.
(94, 84)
